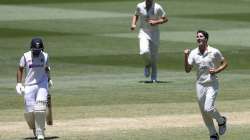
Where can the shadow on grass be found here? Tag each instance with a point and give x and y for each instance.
(46, 138)
(155, 82)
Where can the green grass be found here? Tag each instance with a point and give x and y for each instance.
(97, 71)
(163, 134)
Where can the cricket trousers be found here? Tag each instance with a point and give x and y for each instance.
(206, 95)
(149, 52)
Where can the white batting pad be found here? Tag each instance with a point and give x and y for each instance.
(40, 106)
(40, 122)
(40, 115)
(30, 119)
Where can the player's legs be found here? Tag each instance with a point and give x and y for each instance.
(30, 100)
(40, 109)
(208, 120)
(145, 54)
(30, 97)
(209, 107)
(144, 50)
(30, 119)
(154, 58)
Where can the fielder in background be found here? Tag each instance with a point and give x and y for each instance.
(208, 61)
(35, 88)
(151, 14)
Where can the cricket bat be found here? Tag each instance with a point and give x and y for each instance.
(49, 117)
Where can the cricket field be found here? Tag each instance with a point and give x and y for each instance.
(98, 91)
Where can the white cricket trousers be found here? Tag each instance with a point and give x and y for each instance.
(35, 93)
(206, 94)
(149, 52)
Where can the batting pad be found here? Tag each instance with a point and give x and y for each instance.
(30, 119)
(40, 106)
(40, 115)
(40, 123)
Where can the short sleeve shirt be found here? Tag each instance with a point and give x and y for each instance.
(155, 12)
(34, 67)
(211, 58)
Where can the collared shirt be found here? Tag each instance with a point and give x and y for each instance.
(211, 58)
(34, 67)
(155, 12)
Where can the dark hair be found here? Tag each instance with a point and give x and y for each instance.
(205, 33)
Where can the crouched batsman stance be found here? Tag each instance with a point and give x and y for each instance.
(208, 61)
(35, 87)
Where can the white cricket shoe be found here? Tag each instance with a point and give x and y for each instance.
(155, 81)
(40, 137)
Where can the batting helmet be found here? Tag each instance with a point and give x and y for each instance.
(36, 46)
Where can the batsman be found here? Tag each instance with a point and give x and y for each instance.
(35, 65)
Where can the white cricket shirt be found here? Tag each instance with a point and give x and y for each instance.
(146, 30)
(211, 58)
(34, 67)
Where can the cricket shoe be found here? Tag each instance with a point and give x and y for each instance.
(147, 71)
(40, 137)
(223, 126)
(214, 137)
(152, 81)
(155, 81)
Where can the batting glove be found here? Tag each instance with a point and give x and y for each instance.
(19, 88)
(50, 83)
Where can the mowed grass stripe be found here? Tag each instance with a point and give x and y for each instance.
(238, 37)
(12, 13)
(131, 77)
(123, 86)
(135, 110)
(219, 16)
